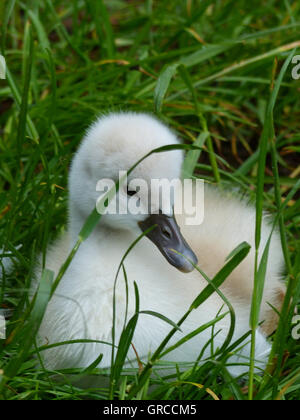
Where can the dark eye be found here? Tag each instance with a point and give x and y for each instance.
(131, 192)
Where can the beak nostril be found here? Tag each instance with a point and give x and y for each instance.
(166, 233)
(167, 237)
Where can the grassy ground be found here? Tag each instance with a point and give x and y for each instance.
(220, 67)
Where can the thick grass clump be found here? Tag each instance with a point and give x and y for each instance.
(220, 74)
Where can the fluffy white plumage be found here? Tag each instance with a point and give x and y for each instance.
(82, 305)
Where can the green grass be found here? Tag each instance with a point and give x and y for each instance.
(219, 73)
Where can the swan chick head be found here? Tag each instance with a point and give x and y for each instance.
(111, 146)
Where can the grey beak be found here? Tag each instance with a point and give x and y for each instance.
(168, 238)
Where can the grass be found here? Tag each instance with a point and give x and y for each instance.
(220, 74)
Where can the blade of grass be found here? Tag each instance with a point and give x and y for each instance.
(212, 157)
(42, 36)
(107, 28)
(202, 297)
(192, 334)
(162, 85)
(32, 132)
(123, 346)
(241, 64)
(38, 308)
(64, 33)
(260, 270)
(101, 18)
(7, 14)
(28, 59)
(129, 329)
(192, 157)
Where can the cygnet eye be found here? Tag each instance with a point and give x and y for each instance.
(131, 192)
